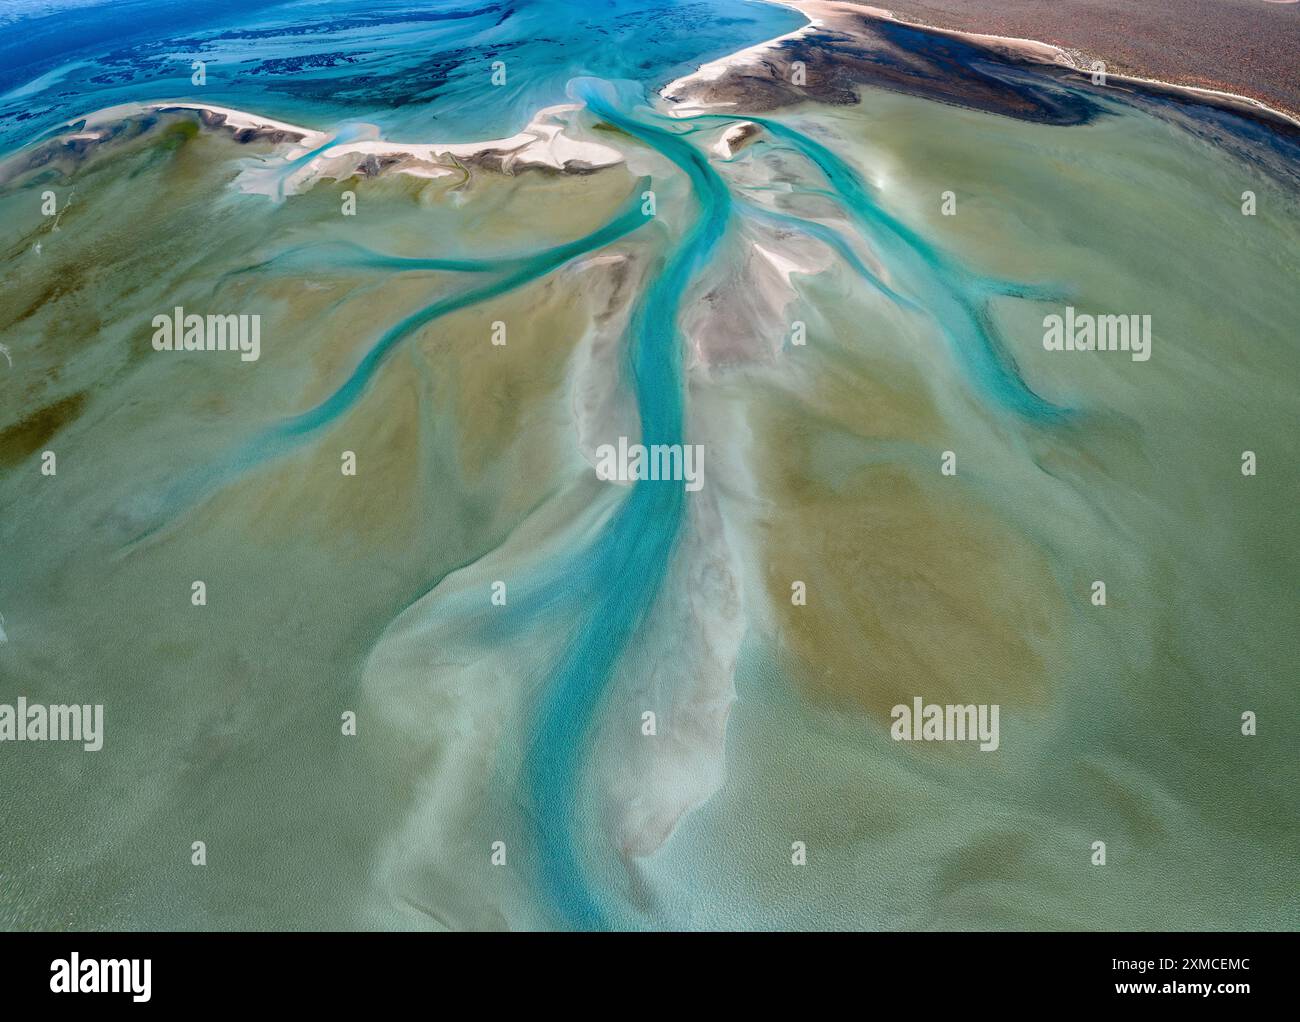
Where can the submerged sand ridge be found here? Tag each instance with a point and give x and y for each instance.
(377, 592)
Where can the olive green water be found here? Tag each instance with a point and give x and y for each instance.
(329, 593)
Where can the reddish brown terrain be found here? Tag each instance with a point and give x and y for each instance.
(1250, 47)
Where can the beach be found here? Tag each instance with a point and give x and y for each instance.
(836, 30)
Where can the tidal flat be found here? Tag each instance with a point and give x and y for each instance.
(445, 674)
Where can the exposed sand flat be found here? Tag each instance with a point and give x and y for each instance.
(542, 144)
(237, 121)
(735, 139)
(751, 56)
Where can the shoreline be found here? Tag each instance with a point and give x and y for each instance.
(542, 145)
(1025, 48)
(1033, 51)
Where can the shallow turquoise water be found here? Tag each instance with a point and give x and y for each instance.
(421, 71)
(613, 580)
(623, 572)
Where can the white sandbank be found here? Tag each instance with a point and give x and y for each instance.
(237, 120)
(748, 57)
(541, 144)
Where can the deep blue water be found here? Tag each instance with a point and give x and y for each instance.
(422, 71)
